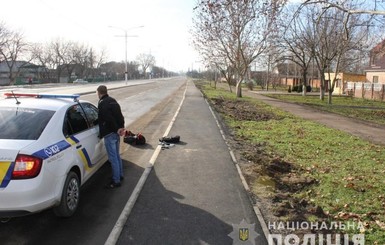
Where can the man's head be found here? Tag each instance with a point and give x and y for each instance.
(101, 90)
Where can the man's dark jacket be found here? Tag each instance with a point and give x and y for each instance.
(110, 117)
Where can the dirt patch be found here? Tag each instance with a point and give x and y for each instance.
(273, 181)
(277, 181)
(242, 110)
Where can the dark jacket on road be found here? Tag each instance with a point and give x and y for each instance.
(110, 116)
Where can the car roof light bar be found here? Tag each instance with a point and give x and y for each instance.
(75, 97)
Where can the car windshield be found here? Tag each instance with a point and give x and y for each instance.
(23, 123)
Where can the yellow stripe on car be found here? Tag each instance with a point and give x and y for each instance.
(4, 169)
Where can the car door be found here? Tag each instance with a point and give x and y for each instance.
(84, 140)
(91, 113)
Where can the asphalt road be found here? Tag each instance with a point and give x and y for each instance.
(99, 207)
(192, 193)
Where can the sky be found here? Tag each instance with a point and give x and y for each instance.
(157, 27)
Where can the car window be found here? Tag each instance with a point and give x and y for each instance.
(23, 123)
(75, 121)
(91, 113)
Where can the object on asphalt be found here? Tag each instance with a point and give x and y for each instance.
(170, 139)
(134, 139)
(166, 145)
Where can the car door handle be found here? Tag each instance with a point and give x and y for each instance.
(78, 146)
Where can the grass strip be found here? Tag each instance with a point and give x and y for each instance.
(349, 171)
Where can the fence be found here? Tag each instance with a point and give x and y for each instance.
(369, 91)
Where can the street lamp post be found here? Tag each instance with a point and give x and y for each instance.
(125, 40)
(126, 72)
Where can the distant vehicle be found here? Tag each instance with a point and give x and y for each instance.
(80, 81)
(49, 147)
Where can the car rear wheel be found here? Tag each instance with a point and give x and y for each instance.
(70, 196)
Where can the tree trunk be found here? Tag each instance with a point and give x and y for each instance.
(322, 86)
(11, 80)
(58, 75)
(304, 85)
(330, 92)
(322, 91)
(238, 89)
(229, 83)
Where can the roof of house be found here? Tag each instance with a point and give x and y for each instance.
(379, 47)
(377, 58)
(18, 64)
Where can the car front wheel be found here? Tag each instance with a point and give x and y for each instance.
(70, 196)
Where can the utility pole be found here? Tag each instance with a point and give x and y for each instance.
(125, 41)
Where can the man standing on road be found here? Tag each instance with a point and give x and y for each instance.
(111, 127)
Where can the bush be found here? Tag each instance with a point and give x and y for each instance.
(298, 88)
(308, 88)
(250, 85)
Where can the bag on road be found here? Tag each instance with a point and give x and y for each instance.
(134, 139)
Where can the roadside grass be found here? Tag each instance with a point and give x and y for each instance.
(368, 110)
(350, 172)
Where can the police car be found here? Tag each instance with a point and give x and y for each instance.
(49, 147)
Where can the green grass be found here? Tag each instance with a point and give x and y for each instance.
(368, 110)
(350, 171)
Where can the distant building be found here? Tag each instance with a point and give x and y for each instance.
(375, 72)
(22, 71)
(343, 79)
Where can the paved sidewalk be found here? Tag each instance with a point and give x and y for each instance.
(365, 130)
(194, 194)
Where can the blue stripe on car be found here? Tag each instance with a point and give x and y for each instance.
(52, 150)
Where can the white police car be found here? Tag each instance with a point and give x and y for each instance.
(49, 147)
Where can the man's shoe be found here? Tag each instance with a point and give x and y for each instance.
(121, 179)
(113, 185)
(167, 145)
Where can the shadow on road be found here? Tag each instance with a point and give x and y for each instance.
(161, 217)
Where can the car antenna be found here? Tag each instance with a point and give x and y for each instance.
(14, 96)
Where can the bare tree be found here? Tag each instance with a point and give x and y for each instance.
(270, 59)
(12, 47)
(4, 34)
(211, 55)
(374, 8)
(145, 61)
(85, 60)
(50, 59)
(42, 56)
(80, 61)
(332, 35)
(297, 41)
(371, 14)
(235, 31)
(59, 56)
(216, 59)
(96, 60)
(77, 57)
